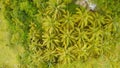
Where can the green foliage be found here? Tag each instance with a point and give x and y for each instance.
(53, 35)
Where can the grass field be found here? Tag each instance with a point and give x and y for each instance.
(8, 55)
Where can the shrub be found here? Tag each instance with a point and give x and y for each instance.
(53, 34)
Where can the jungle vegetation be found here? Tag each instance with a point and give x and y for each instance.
(61, 34)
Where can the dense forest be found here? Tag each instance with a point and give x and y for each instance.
(60, 33)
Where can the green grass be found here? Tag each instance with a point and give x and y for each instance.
(8, 55)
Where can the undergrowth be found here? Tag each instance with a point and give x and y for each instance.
(60, 34)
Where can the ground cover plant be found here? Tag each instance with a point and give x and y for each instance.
(61, 34)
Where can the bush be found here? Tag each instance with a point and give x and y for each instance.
(54, 33)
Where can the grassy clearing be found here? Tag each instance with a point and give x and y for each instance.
(8, 56)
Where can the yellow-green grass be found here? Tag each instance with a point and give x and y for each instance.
(8, 56)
